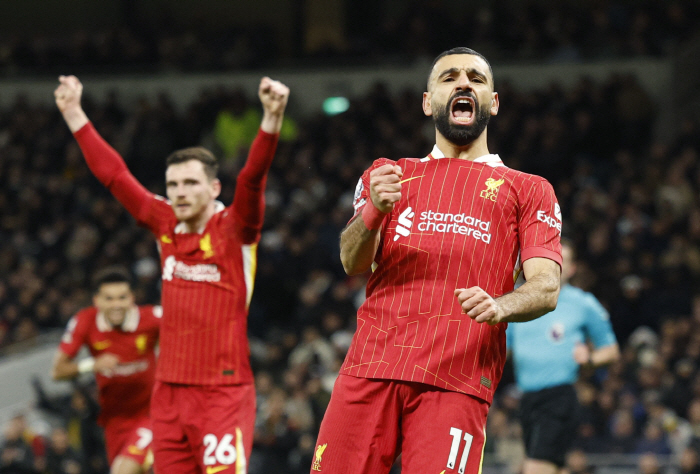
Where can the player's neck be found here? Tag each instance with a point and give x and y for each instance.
(470, 152)
(197, 223)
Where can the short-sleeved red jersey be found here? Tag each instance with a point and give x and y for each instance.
(458, 224)
(207, 276)
(126, 394)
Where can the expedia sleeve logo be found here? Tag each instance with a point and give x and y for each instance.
(554, 222)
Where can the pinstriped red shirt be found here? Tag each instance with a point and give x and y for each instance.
(458, 224)
(207, 276)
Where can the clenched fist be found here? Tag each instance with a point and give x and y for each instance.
(385, 187)
(479, 305)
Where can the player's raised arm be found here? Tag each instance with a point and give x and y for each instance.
(103, 160)
(360, 239)
(248, 202)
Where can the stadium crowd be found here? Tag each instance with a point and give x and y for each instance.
(504, 30)
(630, 203)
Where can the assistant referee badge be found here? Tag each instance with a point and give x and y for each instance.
(316, 466)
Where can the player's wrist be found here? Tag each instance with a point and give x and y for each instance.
(272, 122)
(75, 118)
(86, 365)
(372, 216)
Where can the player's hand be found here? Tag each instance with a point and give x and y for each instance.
(273, 95)
(582, 354)
(385, 187)
(105, 364)
(479, 305)
(68, 93)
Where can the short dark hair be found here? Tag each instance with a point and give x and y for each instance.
(113, 274)
(199, 153)
(458, 50)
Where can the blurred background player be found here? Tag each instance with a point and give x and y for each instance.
(547, 355)
(203, 406)
(445, 235)
(122, 338)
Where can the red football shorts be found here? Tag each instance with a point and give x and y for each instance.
(130, 438)
(202, 428)
(369, 422)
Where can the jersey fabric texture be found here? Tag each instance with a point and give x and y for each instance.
(207, 276)
(126, 393)
(370, 421)
(458, 224)
(543, 349)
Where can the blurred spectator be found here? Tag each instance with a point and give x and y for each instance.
(690, 461)
(78, 412)
(577, 463)
(16, 455)
(61, 458)
(649, 464)
(653, 440)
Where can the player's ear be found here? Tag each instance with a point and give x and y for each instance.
(494, 103)
(427, 104)
(215, 188)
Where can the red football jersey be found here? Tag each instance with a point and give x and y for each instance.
(208, 276)
(127, 392)
(458, 224)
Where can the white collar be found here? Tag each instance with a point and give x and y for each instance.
(491, 159)
(181, 227)
(131, 321)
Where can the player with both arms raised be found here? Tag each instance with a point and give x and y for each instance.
(203, 403)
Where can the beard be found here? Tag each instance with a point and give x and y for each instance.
(461, 135)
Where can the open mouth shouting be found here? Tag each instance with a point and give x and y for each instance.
(462, 110)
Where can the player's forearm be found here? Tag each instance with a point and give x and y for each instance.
(75, 118)
(262, 151)
(605, 355)
(358, 246)
(249, 199)
(65, 370)
(536, 297)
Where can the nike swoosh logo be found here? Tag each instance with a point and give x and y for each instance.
(101, 345)
(407, 180)
(214, 470)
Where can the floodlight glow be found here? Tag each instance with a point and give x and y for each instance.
(335, 105)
